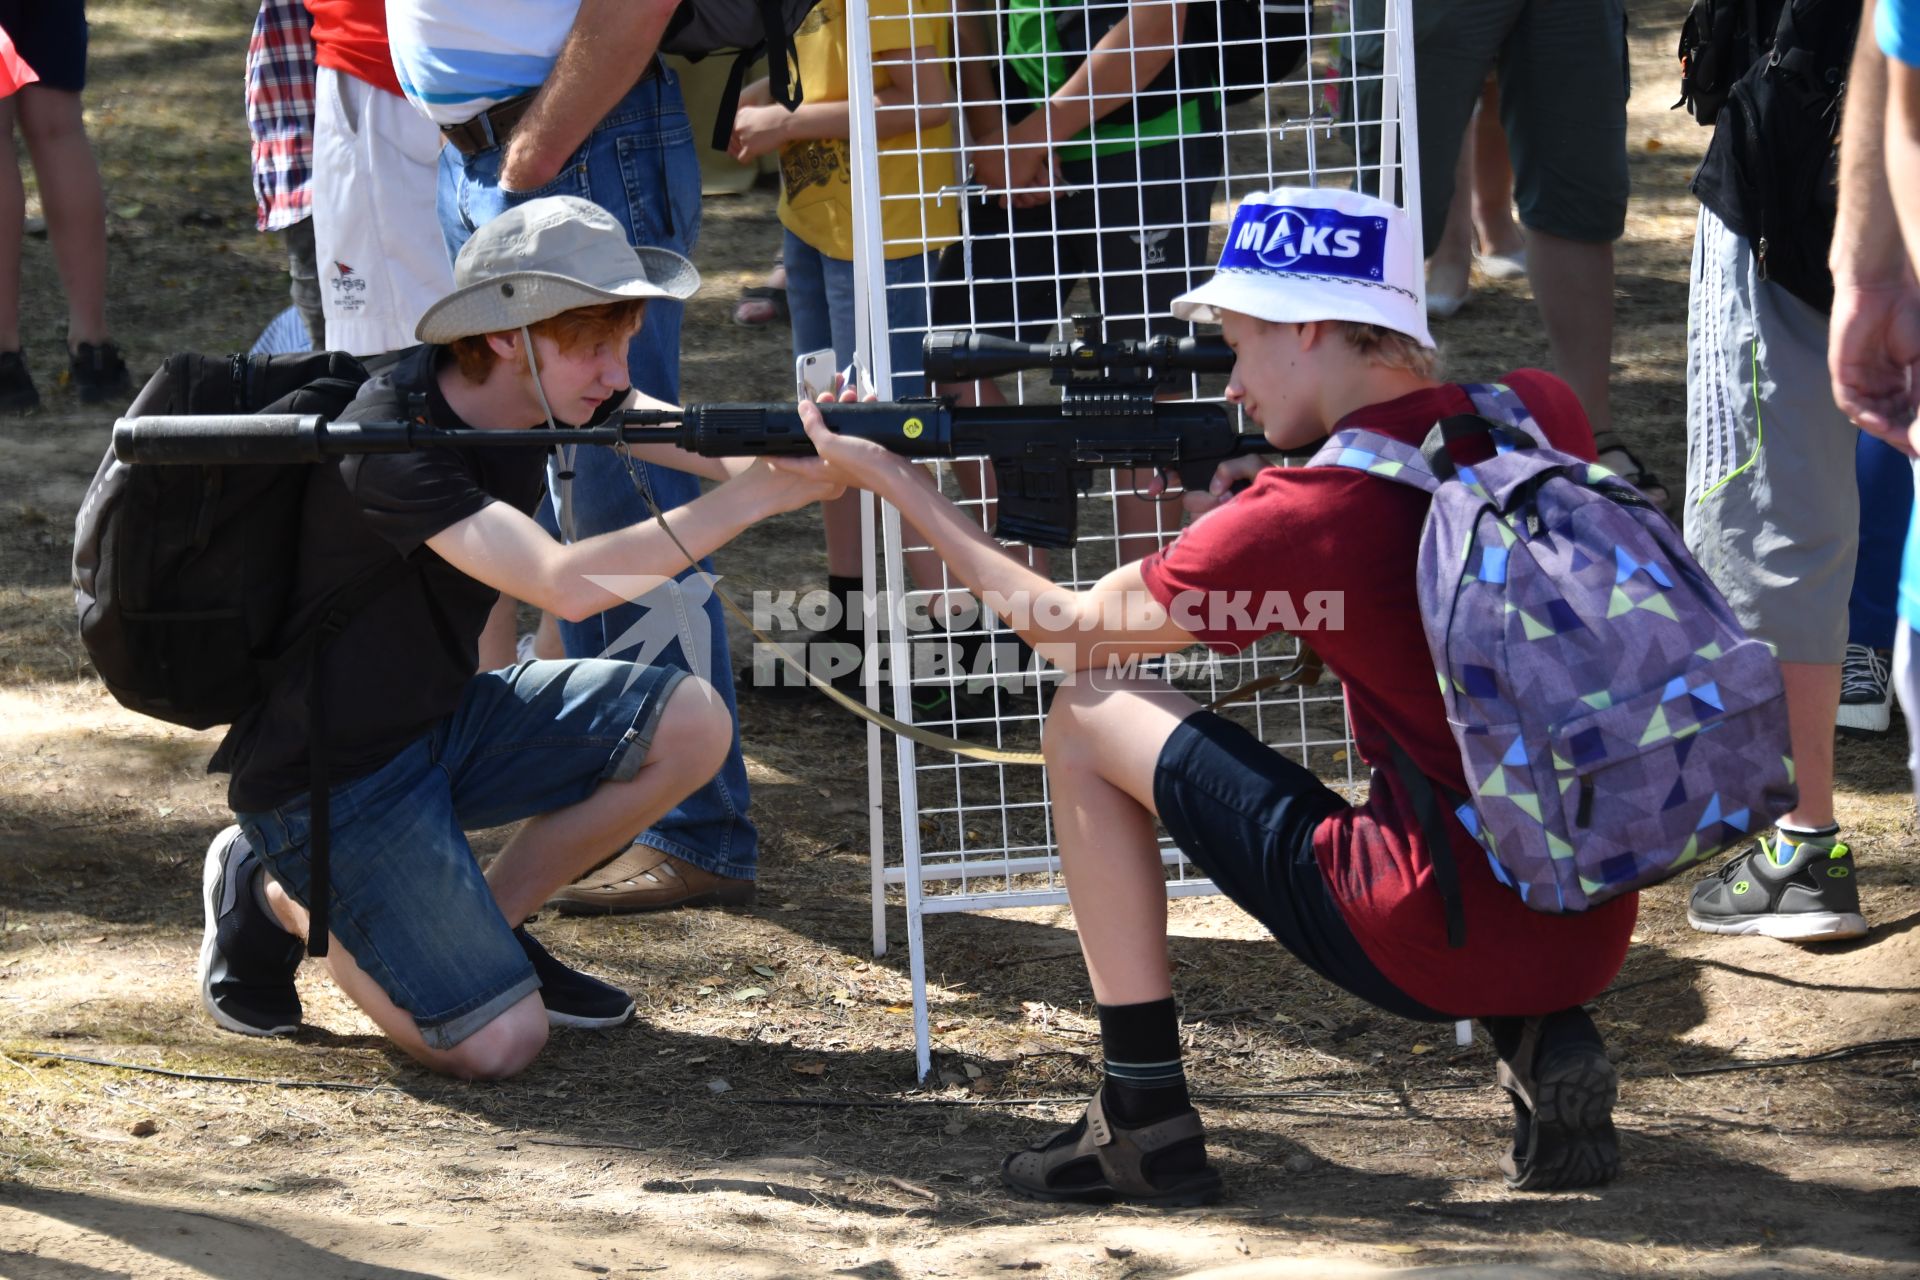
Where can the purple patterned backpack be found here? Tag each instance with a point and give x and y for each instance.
(1615, 723)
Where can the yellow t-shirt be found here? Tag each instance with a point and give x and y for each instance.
(816, 187)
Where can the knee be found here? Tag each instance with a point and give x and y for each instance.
(696, 729)
(51, 118)
(1068, 727)
(503, 1048)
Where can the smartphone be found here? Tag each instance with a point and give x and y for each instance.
(813, 374)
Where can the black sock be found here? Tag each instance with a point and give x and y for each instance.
(1145, 1079)
(849, 629)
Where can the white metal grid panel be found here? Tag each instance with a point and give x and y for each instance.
(962, 834)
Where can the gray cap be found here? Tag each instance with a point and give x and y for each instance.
(544, 257)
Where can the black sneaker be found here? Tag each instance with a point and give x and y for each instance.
(1812, 897)
(97, 371)
(572, 998)
(17, 392)
(247, 961)
(1866, 691)
(1563, 1089)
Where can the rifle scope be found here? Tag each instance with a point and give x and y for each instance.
(952, 355)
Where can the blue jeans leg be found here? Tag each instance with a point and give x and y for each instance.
(1886, 500)
(639, 164)
(820, 296)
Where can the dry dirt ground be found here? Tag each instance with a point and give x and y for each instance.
(1351, 1141)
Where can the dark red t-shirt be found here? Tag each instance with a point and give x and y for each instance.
(1326, 529)
(351, 36)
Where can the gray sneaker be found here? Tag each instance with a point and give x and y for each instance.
(1812, 897)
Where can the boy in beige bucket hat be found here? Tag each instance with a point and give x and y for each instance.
(421, 748)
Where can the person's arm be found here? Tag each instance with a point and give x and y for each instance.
(504, 548)
(1124, 62)
(1116, 618)
(916, 98)
(1874, 330)
(611, 41)
(977, 47)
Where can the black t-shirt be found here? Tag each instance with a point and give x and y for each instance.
(404, 657)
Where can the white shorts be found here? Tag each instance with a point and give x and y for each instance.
(376, 234)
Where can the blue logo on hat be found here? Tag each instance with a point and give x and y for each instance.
(1321, 242)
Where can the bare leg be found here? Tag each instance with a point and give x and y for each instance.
(1493, 178)
(1813, 696)
(13, 221)
(1102, 748)
(498, 638)
(500, 1049)
(51, 123)
(1449, 269)
(1573, 281)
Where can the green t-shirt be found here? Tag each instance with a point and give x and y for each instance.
(1038, 56)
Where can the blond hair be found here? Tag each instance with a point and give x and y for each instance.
(1380, 345)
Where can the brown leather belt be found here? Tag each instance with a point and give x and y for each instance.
(491, 127)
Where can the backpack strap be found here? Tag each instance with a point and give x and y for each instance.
(1425, 798)
(1358, 449)
(1498, 402)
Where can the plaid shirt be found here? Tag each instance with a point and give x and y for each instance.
(280, 78)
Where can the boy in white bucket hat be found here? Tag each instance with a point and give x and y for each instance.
(1318, 294)
(588, 753)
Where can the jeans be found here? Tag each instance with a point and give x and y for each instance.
(1886, 500)
(820, 294)
(638, 164)
(407, 899)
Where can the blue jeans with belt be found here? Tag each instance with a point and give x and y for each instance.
(639, 164)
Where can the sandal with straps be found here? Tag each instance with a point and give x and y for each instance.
(1096, 1160)
(1626, 464)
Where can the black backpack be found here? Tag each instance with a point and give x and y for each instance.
(1719, 40)
(1772, 171)
(753, 27)
(1262, 41)
(182, 574)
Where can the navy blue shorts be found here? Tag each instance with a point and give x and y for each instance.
(1245, 814)
(52, 36)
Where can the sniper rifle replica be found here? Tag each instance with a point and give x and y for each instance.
(1044, 456)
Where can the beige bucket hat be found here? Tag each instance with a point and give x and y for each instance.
(544, 257)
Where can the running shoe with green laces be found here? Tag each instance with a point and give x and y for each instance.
(1811, 897)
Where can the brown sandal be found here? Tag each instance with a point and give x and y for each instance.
(1097, 1160)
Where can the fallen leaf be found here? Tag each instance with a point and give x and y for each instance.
(973, 1072)
(1653, 144)
(144, 1129)
(1421, 1048)
(810, 1068)
(130, 209)
(764, 971)
(717, 1085)
(900, 1008)
(749, 993)
(1403, 1248)
(1117, 1254)
(265, 1185)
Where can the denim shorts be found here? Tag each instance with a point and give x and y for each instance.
(1245, 814)
(408, 900)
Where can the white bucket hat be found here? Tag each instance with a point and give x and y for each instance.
(544, 257)
(1296, 254)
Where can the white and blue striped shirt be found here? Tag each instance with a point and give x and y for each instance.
(456, 58)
